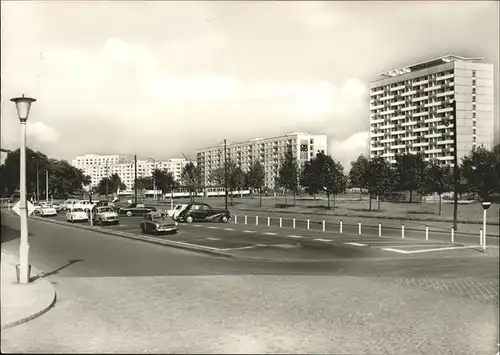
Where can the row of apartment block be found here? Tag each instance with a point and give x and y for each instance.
(100, 166)
(412, 109)
(269, 152)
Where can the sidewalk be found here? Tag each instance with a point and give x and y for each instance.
(21, 303)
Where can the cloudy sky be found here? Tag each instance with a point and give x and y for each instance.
(158, 79)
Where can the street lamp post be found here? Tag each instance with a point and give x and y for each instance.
(154, 181)
(456, 172)
(225, 174)
(486, 205)
(23, 105)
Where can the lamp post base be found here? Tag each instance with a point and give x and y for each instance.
(20, 273)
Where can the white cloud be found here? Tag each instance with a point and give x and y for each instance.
(41, 132)
(349, 149)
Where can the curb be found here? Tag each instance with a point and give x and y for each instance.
(48, 299)
(146, 239)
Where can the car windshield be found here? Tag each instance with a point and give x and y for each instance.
(157, 215)
(77, 210)
(106, 209)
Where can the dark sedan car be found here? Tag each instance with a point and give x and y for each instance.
(135, 210)
(158, 222)
(202, 212)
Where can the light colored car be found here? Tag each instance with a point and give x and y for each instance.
(175, 212)
(68, 203)
(76, 214)
(105, 214)
(157, 223)
(46, 210)
(86, 205)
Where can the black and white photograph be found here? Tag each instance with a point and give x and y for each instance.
(250, 177)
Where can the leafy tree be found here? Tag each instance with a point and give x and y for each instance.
(191, 178)
(165, 180)
(256, 178)
(288, 175)
(110, 185)
(217, 177)
(439, 180)
(143, 183)
(358, 173)
(410, 173)
(236, 178)
(481, 168)
(322, 173)
(378, 178)
(310, 178)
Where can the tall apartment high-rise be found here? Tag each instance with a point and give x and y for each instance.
(100, 166)
(269, 151)
(411, 109)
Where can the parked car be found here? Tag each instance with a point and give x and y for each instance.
(68, 203)
(158, 222)
(45, 210)
(86, 205)
(76, 214)
(105, 214)
(103, 203)
(175, 212)
(135, 210)
(202, 212)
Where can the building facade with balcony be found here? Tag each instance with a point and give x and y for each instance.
(269, 151)
(411, 109)
(100, 166)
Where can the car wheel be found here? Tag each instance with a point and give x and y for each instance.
(143, 230)
(72, 221)
(99, 222)
(224, 219)
(189, 219)
(129, 213)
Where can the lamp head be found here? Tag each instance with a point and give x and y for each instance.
(23, 105)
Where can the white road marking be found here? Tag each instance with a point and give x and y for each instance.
(426, 250)
(248, 231)
(294, 236)
(197, 225)
(210, 238)
(241, 248)
(270, 233)
(357, 244)
(213, 227)
(228, 229)
(409, 245)
(324, 240)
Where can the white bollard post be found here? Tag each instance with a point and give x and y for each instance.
(269, 221)
(481, 237)
(452, 235)
(379, 230)
(235, 219)
(308, 224)
(426, 233)
(359, 228)
(340, 226)
(323, 225)
(484, 241)
(281, 222)
(403, 231)
(246, 219)
(256, 220)
(294, 223)
(91, 221)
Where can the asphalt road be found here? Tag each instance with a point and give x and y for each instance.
(122, 295)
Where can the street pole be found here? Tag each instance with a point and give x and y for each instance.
(23, 108)
(456, 176)
(37, 183)
(172, 198)
(107, 180)
(135, 178)
(46, 186)
(24, 246)
(225, 174)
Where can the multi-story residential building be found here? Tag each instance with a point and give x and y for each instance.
(100, 166)
(269, 151)
(411, 109)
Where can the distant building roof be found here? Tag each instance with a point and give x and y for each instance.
(427, 64)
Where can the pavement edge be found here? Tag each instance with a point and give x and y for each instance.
(48, 300)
